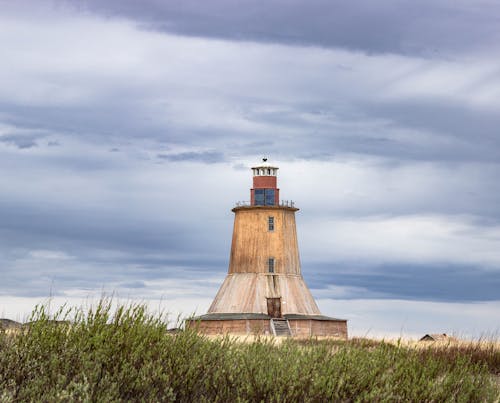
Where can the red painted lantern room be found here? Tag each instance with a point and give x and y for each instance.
(264, 191)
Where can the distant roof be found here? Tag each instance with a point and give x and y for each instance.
(313, 317)
(436, 337)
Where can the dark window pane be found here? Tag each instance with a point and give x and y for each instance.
(269, 197)
(271, 223)
(270, 264)
(259, 197)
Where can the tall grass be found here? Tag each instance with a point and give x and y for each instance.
(129, 355)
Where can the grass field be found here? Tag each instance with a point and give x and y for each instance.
(129, 355)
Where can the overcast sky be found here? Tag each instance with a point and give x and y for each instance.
(127, 129)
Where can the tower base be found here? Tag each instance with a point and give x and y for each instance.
(301, 326)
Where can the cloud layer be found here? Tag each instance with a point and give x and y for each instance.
(126, 132)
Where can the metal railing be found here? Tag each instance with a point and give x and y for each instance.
(282, 203)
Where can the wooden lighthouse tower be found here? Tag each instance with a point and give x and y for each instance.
(264, 291)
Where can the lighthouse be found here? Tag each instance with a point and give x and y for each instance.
(264, 291)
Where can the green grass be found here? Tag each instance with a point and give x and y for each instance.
(129, 355)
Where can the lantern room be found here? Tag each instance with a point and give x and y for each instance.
(265, 191)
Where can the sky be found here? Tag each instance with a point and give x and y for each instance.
(127, 130)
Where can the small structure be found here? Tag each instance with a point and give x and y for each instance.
(437, 337)
(264, 291)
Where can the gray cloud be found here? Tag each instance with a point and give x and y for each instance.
(124, 142)
(21, 142)
(460, 133)
(208, 157)
(430, 282)
(429, 28)
(134, 284)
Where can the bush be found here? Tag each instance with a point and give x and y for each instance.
(130, 355)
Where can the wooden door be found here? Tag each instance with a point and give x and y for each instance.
(274, 307)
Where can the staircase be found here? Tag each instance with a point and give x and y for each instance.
(280, 327)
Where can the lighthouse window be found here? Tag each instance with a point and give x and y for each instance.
(269, 197)
(270, 223)
(259, 197)
(270, 264)
(264, 197)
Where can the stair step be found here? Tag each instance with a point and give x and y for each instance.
(281, 327)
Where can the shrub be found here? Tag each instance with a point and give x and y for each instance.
(130, 355)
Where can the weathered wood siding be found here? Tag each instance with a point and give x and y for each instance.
(318, 328)
(301, 328)
(248, 293)
(253, 244)
(249, 283)
(235, 326)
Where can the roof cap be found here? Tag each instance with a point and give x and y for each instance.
(264, 164)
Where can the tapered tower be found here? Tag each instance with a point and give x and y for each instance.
(264, 291)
